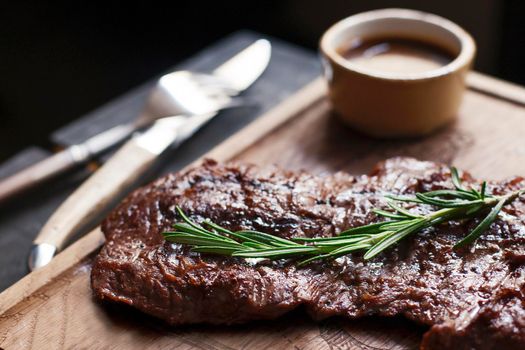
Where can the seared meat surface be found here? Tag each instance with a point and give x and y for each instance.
(471, 299)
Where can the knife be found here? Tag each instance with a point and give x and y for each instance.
(136, 156)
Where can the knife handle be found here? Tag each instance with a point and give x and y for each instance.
(95, 194)
(62, 161)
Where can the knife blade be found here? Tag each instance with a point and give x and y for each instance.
(137, 155)
(241, 75)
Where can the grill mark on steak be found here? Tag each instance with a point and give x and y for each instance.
(474, 298)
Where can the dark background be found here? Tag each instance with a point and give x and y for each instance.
(59, 60)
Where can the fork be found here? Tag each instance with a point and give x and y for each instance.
(166, 99)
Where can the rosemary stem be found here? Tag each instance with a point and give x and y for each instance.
(451, 204)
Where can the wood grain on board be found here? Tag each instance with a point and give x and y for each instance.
(53, 307)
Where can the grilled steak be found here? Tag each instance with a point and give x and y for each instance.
(471, 299)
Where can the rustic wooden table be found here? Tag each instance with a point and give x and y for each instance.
(290, 69)
(53, 307)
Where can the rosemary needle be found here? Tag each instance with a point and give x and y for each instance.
(455, 204)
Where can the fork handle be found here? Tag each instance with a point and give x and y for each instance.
(37, 174)
(62, 161)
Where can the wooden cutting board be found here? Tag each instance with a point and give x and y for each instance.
(53, 307)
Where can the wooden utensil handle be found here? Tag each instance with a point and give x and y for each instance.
(37, 173)
(80, 208)
(62, 161)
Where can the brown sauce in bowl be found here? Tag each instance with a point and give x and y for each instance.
(396, 55)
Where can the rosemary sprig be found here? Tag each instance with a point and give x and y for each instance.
(455, 204)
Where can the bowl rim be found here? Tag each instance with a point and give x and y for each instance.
(464, 58)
